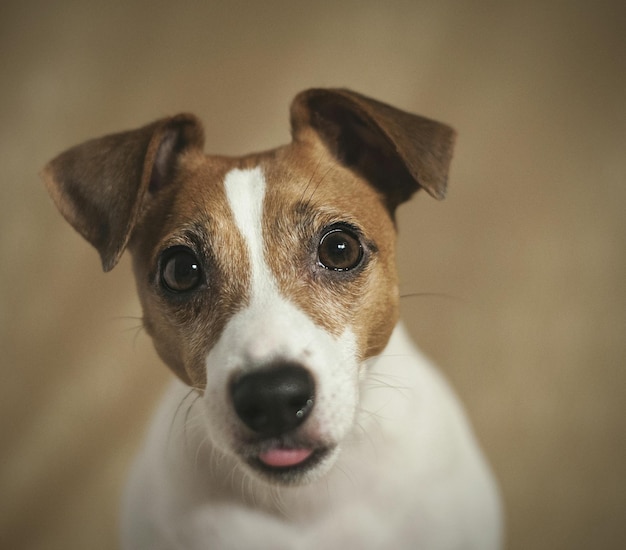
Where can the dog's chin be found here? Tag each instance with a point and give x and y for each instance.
(291, 465)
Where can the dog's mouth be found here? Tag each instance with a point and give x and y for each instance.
(287, 463)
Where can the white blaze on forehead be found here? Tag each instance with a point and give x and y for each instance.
(266, 327)
(245, 191)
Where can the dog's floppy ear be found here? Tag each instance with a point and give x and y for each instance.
(397, 152)
(101, 185)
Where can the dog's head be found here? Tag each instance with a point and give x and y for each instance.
(266, 281)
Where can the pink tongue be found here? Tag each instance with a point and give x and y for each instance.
(282, 458)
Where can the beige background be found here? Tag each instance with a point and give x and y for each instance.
(527, 256)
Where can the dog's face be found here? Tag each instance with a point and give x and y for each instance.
(266, 281)
(282, 259)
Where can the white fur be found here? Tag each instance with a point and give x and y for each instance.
(245, 191)
(409, 476)
(406, 472)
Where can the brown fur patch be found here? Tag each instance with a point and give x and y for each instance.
(185, 327)
(308, 191)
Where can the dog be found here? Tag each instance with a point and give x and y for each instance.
(301, 415)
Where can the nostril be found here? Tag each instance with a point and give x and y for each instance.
(274, 400)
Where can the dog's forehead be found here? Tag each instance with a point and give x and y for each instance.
(297, 182)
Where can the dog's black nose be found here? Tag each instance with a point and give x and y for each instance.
(274, 400)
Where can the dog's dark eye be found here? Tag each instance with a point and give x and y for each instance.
(180, 270)
(339, 250)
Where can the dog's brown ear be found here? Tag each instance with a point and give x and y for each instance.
(397, 152)
(101, 185)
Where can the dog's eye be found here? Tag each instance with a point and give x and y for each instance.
(180, 270)
(339, 250)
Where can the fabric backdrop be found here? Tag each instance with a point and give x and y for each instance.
(522, 267)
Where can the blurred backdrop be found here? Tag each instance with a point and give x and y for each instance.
(526, 259)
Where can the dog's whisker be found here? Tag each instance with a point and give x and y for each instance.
(368, 414)
(375, 383)
(232, 477)
(140, 330)
(278, 503)
(186, 421)
(176, 411)
(243, 480)
(128, 318)
(348, 474)
(204, 441)
(137, 329)
(365, 433)
(216, 458)
(318, 184)
(311, 178)
(444, 295)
